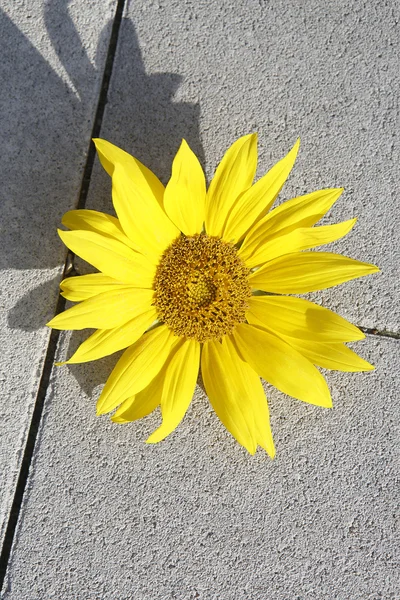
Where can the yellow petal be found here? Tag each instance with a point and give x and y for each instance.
(83, 287)
(303, 211)
(179, 383)
(236, 395)
(184, 198)
(304, 272)
(139, 210)
(144, 402)
(136, 368)
(111, 155)
(104, 342)
(111, 257)
(337, 357)
(137, 407)
(256, 202)
(105, 311)
(301, 319)
(234, 175)
(297, 240)
(92, 220)
(281, 365)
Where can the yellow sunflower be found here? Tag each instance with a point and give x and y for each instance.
(192, 278)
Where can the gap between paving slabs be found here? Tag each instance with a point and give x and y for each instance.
(68, 271)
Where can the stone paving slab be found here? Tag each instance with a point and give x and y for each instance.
(51, 68)
(195, 517)
(106, 516)
(326, 73)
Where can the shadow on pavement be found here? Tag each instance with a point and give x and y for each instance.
(42, 128)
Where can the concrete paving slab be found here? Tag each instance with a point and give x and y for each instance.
(106, 516)
(47, 110)
(328, 73)
(195, 517)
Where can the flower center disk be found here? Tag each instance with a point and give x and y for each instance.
(201, 288)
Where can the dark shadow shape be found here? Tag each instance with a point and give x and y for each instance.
(43, 114)
(42, 147)
(68, 45)
(30, 312)
(142, 117)
(89, 375)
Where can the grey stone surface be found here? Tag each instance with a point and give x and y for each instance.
(106, 516)
(52, 60)
(327, 72)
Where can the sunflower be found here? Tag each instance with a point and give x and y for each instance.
(192, 278)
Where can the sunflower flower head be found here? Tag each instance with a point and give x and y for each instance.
(202, 288)
(191, 278)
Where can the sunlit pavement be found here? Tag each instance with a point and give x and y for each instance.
(87, 510)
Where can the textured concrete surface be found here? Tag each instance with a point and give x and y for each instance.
(45, 129)
(327, 73)
(106, 516)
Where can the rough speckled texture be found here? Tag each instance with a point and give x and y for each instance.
(45, 129)
(106, 516)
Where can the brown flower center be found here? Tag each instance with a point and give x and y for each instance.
(201, 287)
